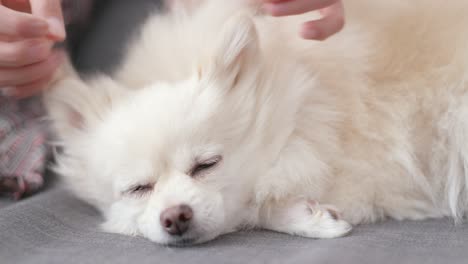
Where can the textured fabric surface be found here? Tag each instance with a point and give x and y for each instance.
(53, 227)
(5, 203)
(23, 150)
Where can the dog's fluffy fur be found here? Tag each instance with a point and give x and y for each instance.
(372, 123)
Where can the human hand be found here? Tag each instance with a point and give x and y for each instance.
(28, 30)
(331, 22)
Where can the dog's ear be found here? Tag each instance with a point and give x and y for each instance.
(74, 105)
(236, 50)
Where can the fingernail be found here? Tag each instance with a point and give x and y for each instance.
(7, 91)
(34, 28)
(56, 28)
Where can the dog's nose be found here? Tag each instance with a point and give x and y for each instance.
(176, 220)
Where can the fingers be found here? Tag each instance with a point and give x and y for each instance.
(332, 22)
(21, 25)
(16, 77)
(51, 11)
(18, 5)
(27, 62)
(30, 89)
(22, 53)
(295, 7)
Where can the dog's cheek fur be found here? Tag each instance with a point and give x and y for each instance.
(77, 110)
(122, 217)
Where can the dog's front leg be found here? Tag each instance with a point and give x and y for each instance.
(303, 217)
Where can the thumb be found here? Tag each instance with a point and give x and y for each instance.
(51, 11)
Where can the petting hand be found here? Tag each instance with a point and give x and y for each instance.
(28, 30)
(332, 11)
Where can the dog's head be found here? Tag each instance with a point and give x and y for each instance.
(169, 161)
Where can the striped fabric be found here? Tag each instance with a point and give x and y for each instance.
(23, 135)
(22, 146)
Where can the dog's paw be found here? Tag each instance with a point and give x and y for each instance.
(322, 221)
(305, 218)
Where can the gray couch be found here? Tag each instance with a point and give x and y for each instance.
(53, 227)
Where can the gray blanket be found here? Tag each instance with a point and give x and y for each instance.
(53, 227)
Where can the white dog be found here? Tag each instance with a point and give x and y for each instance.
(221, 118)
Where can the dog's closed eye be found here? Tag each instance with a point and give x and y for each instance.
(140, 190)
(200, 168)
